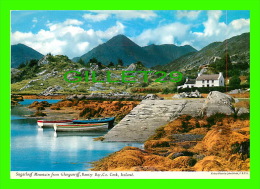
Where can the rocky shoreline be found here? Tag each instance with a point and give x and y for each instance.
(216, 143)
(216, 139)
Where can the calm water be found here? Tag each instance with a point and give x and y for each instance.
(34, 149)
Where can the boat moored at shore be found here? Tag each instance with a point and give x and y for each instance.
(49, 123)
(108, 120)
(80, 127)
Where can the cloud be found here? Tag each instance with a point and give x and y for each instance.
(166, 34)
(214, 30)
(95, 17)
(74, 38)
(72, 22)
(67, 38)
(192, 15)
(34, 20)
(126, 14)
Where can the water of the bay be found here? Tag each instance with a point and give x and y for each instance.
(36, 149)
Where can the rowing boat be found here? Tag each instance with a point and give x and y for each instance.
(109, 120)
(80, 127)
(48, 123)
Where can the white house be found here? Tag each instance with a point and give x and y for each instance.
(204, 80)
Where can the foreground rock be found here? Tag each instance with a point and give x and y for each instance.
(217, 102)
(145, 118)
(149, 115)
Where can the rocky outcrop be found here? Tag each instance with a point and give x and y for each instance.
(145, 118)
(108, 96)
(37, 104)
(242, 111)
(152, 97)
(94, 108)
(15, 99)
(217, 102)
(15, 75)
(225, 147)
(43, 60)
(51, 90)
(195, 94)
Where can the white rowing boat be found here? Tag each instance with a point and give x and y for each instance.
(48, 123)
(80, 127)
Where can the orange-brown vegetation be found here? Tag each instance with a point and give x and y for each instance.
(242, 104)
(224, 147)
(134, 159)
(15, 99)
(39, 106)
(94, 108)
(240, 95)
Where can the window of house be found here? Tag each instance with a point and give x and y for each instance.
(212, 81)
(207, 85)
(202, 85)
(202, 81)
(207, 81)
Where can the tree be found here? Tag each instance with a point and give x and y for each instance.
(32, 63)
(80, 61)
(99, 65)
(93, 60)
(120, 62)
(22, 65)
(111, 64)
(234, 81)
(223, 64)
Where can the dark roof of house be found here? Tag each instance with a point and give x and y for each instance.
(208, 77)
(191, 81)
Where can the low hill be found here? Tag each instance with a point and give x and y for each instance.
(21, 53)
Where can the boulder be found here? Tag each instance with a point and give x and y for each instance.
(152, 97)
(43, 61)
(50, 90)
(242, 110)
(131, 67)
(235, 91)
(195, 94)
(218, 102)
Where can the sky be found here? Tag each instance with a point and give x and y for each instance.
(74, 33)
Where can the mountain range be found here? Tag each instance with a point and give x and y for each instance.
(238, 48)
(21, 53)
(160, 57)
(121, 47)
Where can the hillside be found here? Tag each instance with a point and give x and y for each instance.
(237, 47)
(121, 47)
(46, 76)
(21, 53)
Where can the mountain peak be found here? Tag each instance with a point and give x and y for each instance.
(120, 40)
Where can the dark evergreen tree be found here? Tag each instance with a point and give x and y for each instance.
(234, 81)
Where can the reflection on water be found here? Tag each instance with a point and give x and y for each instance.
(37, 149)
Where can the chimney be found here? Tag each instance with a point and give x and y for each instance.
(220, 74)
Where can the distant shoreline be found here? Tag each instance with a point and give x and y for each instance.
(44, 97)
